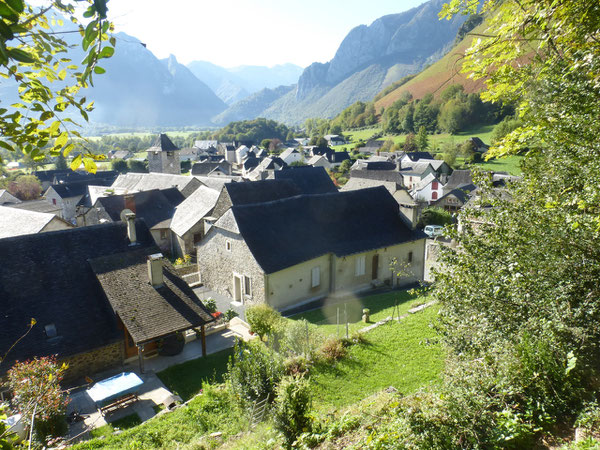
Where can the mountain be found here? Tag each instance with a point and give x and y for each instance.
(140, 90)
(237, 83)
(369, 59)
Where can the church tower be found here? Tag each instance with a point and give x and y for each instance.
(163, 156)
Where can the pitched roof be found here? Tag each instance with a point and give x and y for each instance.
(415, 156)
(216, 183)
(287, 152)
(16, 222)
(286, 232)
(458, 178)
(204, 168)
(134, 182)
(193, 209)
(79, 188)
(41, 205)
(260, 191)
(163, 144)
(152, 206)
(355, 183)
(57, 286)
(424, 182)
(206, 144)
(462, 193)
(315, 159)
(147, 312)
(309, 180)
(48, 175)
(7, 197)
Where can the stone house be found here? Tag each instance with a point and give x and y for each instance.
(67, 196)
(17, 222)
(99, 294)
(429, 189)
(319, 161)
(455, 199)
(155, 207)
(294, 250)
(188, 223)
(291, 155)
(163, 156)
(208, 168)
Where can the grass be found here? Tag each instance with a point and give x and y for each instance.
(124, 423)
(380, 305)
(186, 379)
(510, 164)
(401, 354)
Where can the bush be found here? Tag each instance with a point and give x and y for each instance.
(263, 320)
(300, 338)
(333, 349)
(120, 165)
(253, 372)
(230, 314)
(292, 408)
(297, 365)
(434, 216)
(211, 304)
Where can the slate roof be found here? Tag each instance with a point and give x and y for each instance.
(355, 183)
(48, 175)
(7, 198)
(193, 209)
(79, 188)
(216, 183)
(41, 205)
(148, 313)
(288, 152)
(162, 144)
(462, 193)
(57, 286)
(376, 165)
(286, 232)
(315, 159)
(415, 156)
(204, 168)
(425, 181)
(261, 191)
(309, 180)
(135, 182)
(152, 206)
(457, 178)
(16, 222)
(70, 176)
(206, 144)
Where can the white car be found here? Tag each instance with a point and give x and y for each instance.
(433, 230)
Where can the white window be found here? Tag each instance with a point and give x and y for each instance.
(315, 279)
(247, 286)
(228, 245)
(360, 265)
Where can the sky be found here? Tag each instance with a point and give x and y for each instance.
(247, 32)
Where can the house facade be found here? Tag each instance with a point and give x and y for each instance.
(314, 246)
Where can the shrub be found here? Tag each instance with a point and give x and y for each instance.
(292, 408)
(333, 349)
(253, 371)
(230, 314)
(435, 216)
(297, 365)
(211, 304)
(299, 338)
(263, 319)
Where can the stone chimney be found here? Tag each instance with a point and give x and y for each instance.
(155, 270)
(131, 228)
(129, 201)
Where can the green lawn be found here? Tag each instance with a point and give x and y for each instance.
(186, 379)
(381, 306)
(510, 164)
(402, 354)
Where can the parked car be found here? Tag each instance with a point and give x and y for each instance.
(433, 230)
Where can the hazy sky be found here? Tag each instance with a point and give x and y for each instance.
(259, 32)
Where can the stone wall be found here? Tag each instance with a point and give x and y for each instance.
(87, 364)
(217, 264)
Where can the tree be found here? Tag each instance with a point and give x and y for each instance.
(25, 187)
(120, 165)
(410, 143)
(137, 166)
(265, 143)
(34, 59)
(422, 139)
(263, 319)
(60, 162)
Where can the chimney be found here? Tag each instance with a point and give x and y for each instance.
(131, 228)
(155, 272)
(129, 202)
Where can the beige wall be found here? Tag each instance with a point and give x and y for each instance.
(163, 244)
(56, 224)
(217, 265)
(89, 363)
(294, 284)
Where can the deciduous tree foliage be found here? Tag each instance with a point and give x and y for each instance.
(33, 55)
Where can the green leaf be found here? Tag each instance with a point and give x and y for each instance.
(5, 31)
(99, 70)
(106, 52)
(76, 162)
(6, 146)
(89, 164)
(101, 8)
(62, 139)
(21, 56)
(8, 13)
(68, 149)
(17, 5)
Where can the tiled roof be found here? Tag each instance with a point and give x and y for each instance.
(193, 209)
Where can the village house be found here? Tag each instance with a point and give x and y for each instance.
(68, 195)
(40, 205)
(136, 182)
(99, 294)
(208, 168)
(429, 189)
(266, 168)
(293, 250)
(120, 154)
(319, 161)
(291, 155)
(163, 156)
(16, 222)
(155, 207)
(334, 139)
(188, 223)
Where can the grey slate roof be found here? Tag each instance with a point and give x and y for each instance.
(7, 198)
(216, 183)
(260, 191)
(52, 281)
(462, 193)
(148, 313)
(415, 156)
(41, 205)
(48, 175)
(193, 209)
(16, 222)
(135, 182)
(152, 206)
(309, 180)
(204, 168)
(79, 188)
(163, 144)
(458, 178)
(286, 232)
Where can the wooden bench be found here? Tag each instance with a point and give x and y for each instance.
(121, 402)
